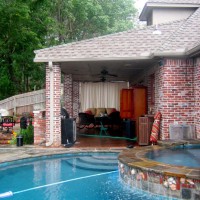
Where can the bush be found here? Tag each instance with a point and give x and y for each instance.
(28, 134)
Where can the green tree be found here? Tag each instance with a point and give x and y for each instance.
(27, 25)
(21, 32)
(77, 20)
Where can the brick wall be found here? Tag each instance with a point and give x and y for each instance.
(75, 97)
(197, 95)
(71, 96)
(39, 124)
(174, 93)
(151, 93)
(67, 94)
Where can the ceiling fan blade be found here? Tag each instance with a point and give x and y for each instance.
(104, 72)
(114, 75)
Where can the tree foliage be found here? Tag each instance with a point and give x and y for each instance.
(27, 25)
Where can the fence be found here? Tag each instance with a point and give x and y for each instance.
(26, 102)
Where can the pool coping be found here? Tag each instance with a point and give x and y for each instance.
(136, 158)
(13, 153)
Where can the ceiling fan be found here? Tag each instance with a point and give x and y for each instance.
(104, 74)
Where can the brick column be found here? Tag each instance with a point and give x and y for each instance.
(174, 93)
(197, 96)
(75, 101)
(39, 124)
(53, 93)
(67, 94)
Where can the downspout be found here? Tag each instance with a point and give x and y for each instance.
(51, 77)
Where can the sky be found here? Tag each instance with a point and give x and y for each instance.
(140, 4)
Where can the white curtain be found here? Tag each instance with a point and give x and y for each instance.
(101, 95)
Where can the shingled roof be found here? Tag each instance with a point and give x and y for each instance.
(177, 37)
(186, 36)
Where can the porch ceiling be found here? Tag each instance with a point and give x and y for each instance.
(126, 70)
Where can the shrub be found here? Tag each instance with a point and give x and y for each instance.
(27, 134)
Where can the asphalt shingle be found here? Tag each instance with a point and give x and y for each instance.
(136, 43)
(186, 35)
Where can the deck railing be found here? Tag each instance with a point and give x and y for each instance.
(24, 102)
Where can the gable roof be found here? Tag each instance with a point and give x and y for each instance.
(151, 4)
(177, 38)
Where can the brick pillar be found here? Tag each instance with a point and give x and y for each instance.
(174, 93)
(53, 105)
(197, 96)
(75, 101)
(39, 124)
(151, 93)
(67, 94)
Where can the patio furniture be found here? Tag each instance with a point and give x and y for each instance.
(90, 117)
(7, 122)
(103, 129)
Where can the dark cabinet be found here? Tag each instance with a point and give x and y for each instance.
(133, 104)
(145, 127)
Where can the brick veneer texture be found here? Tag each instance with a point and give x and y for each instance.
(39, 124)
(75, 97)
(197, 95)
(56, 105)
(68, 98)
(174, 93)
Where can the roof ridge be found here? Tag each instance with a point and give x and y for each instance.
(177, 32)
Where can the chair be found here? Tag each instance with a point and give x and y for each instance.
(7, 122)
(85, 120)
(103, 129)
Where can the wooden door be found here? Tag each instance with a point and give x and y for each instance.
(126, 103)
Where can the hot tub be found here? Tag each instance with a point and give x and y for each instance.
(166, 179)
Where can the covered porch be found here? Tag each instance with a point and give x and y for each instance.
(133, 57)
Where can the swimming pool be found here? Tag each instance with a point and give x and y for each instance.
(182, 155)
(69, 176)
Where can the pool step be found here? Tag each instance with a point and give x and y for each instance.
(90, 163)
(91, 160)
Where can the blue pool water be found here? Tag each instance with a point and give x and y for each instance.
(84, 176)
(183, 155)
